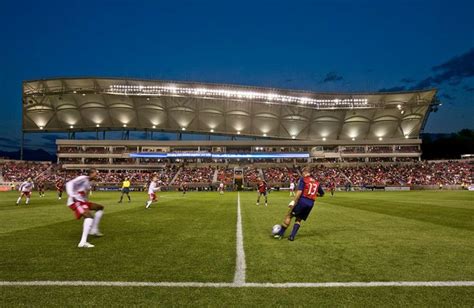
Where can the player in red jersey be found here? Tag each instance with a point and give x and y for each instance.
(300, 208)
(262, 190)
(77, 190)
(41, 188)
(60, 188)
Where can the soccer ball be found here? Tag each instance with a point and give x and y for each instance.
(276, 229)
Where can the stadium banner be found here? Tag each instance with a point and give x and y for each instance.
(397, 188)
(218, 155)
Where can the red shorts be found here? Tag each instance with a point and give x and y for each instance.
(79, 207)
(152, 197)
(26, 193)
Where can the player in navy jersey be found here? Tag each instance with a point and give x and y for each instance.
(262, 190)
(307, 191)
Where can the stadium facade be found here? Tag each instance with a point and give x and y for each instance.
(323, 126)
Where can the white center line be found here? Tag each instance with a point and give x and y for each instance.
(240, 266)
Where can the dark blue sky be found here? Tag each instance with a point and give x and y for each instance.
(338, 45)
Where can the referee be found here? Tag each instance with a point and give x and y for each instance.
(125, 190)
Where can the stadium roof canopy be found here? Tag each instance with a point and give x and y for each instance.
(91, 104)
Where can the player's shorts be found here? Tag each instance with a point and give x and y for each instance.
(125, 190)
(262, 193)
(79, 208)
(302, 209)
(152, 197)
(26, 193)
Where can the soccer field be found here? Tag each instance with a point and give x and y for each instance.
(187, 250)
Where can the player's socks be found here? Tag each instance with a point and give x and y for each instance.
(86, 227)
(148, 203)
(296, 227)
(282, 231)
(18, 200)
(95, 223)
(27, 200)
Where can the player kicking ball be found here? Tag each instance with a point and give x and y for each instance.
(301, 206)
(152, 189)
(78, 190)
(25, 191)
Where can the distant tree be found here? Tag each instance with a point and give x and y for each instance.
(450, 146)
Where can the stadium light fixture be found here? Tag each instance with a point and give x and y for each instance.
(293, 137)
(97, 125)
(154, 126)
(380, 138)
(264, 135)
(402, 112)
(238, 132)
(125, 125)
(183, 128)
(324, 138)
(71, 126)
(353, 139)
(41, 127)
(399, 106)
(74, 91)
(147, 98)
(406, 136)
(83, 94)
(212, 130)
(238, 94)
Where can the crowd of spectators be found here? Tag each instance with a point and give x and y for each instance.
(251, 175)
(280, 175)
(203, 175)
(420, 173)
(225, 176)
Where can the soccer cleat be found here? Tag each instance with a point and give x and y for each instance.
(119, 202)
(257, 204)
(97, 234)
(85, 245)
(277, 236)
(291, 238)
(266, 204)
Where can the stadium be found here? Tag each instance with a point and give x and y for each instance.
(390, 228)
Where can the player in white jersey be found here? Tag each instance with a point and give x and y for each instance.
(152, 189)
(292, 188)
(221, 188)
(77, 190)
(25, 191)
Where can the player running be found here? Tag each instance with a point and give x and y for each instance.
(332, 188)
(301, 206)
(292, 188)
(41, 188)
(60, 188)
(25, 191)
(152, 189)
(262, 190)
(77, 190)
(125, 190)
(221, 188)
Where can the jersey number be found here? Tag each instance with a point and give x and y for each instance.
(312, 189)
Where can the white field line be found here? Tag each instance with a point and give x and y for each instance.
(240, 266)
(242, 285)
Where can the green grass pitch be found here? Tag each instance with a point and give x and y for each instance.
(359, 236)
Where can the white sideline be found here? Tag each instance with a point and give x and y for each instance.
(240, 266)
(243, 285)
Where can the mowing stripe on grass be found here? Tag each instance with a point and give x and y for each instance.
(241, 285)
(240, 266)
